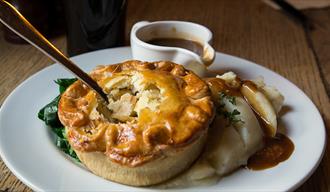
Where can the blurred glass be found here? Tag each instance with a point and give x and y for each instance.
(94, 24)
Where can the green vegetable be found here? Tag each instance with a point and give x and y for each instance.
(48, 114)
(64, 83)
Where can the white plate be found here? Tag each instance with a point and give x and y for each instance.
(27, 148)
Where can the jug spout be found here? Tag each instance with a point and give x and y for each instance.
(208, 55)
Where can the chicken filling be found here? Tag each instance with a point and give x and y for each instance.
(128, 95)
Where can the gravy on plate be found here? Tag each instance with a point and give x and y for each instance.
(276, 150)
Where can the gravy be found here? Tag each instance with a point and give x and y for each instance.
(193, 46)
(276, 150)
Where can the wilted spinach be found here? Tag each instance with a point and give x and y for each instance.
(64, 83)
(48, 114)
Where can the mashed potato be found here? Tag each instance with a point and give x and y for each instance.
(229, 146)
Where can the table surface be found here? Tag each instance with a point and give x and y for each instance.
(248, 29)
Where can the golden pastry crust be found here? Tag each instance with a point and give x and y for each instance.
(157, 107)
(150, 173)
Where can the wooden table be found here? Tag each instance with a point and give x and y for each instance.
(248, 29)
